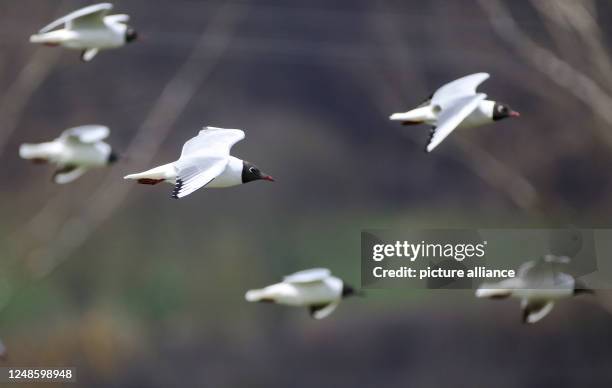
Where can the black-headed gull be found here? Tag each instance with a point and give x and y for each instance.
(455, 105)
(204, 161)
(89, 29)
(74, 152)
(314, 288)
(538, 285)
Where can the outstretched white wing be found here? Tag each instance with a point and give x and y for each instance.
(86, 133)
(85, 17)
(451, 116)
(203, 158)
(196, 172)
(212, 141)
(463, 87)
(308, 276)
(119, 18)
(545, 273)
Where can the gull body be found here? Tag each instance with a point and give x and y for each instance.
(204, 162)
(538, 285)
(315, 289)
(89, 29)
(455, 105)
(231, 175)
(74, 152)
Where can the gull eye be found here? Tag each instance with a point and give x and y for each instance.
(252, 170)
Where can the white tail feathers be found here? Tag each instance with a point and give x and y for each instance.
(37, 39)
(53, 37)
(50, 39)
(167, 171)
(254, 295)
(489, 291)
(31, 151)
(416, 115)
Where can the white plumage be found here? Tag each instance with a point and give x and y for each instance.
(89, 29)
(205, 161)
(455, 105)
(538, 285)
(315, 288)
(74, 152)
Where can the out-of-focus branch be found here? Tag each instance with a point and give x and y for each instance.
(499, 175)
(558, 71)
(579, 17)
(559, 30)
(15, 99)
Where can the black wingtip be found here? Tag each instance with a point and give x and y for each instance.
(177, 188)
(432, 132)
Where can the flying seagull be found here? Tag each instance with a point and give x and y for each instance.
(538, 285)
(314, 288)
(74, 152)
(89, 29)
(204, 161)
(455, 105)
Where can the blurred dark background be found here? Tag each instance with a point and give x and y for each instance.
(138, 290)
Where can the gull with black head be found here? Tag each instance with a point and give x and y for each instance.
(89, 29)
(204, 162)
(74, 152)
(538, 284)
(455, 105)
(315, 289)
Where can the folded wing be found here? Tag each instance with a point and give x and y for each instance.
(322, 311)
(545, 273)
(85, 134)
(68, 174)
(451, 116)
(308, 276)
(203, 158)
(119, 18)
(85, 17)
(196, 172)
(465, 86)
(533, 311)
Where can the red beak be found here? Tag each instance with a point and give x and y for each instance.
(268, 178)
(515, 114)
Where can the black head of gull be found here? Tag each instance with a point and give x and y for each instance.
(130, 35)
(251, 172)
(502, 111)
(581, 288)
(348, 290)
(112, 158)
